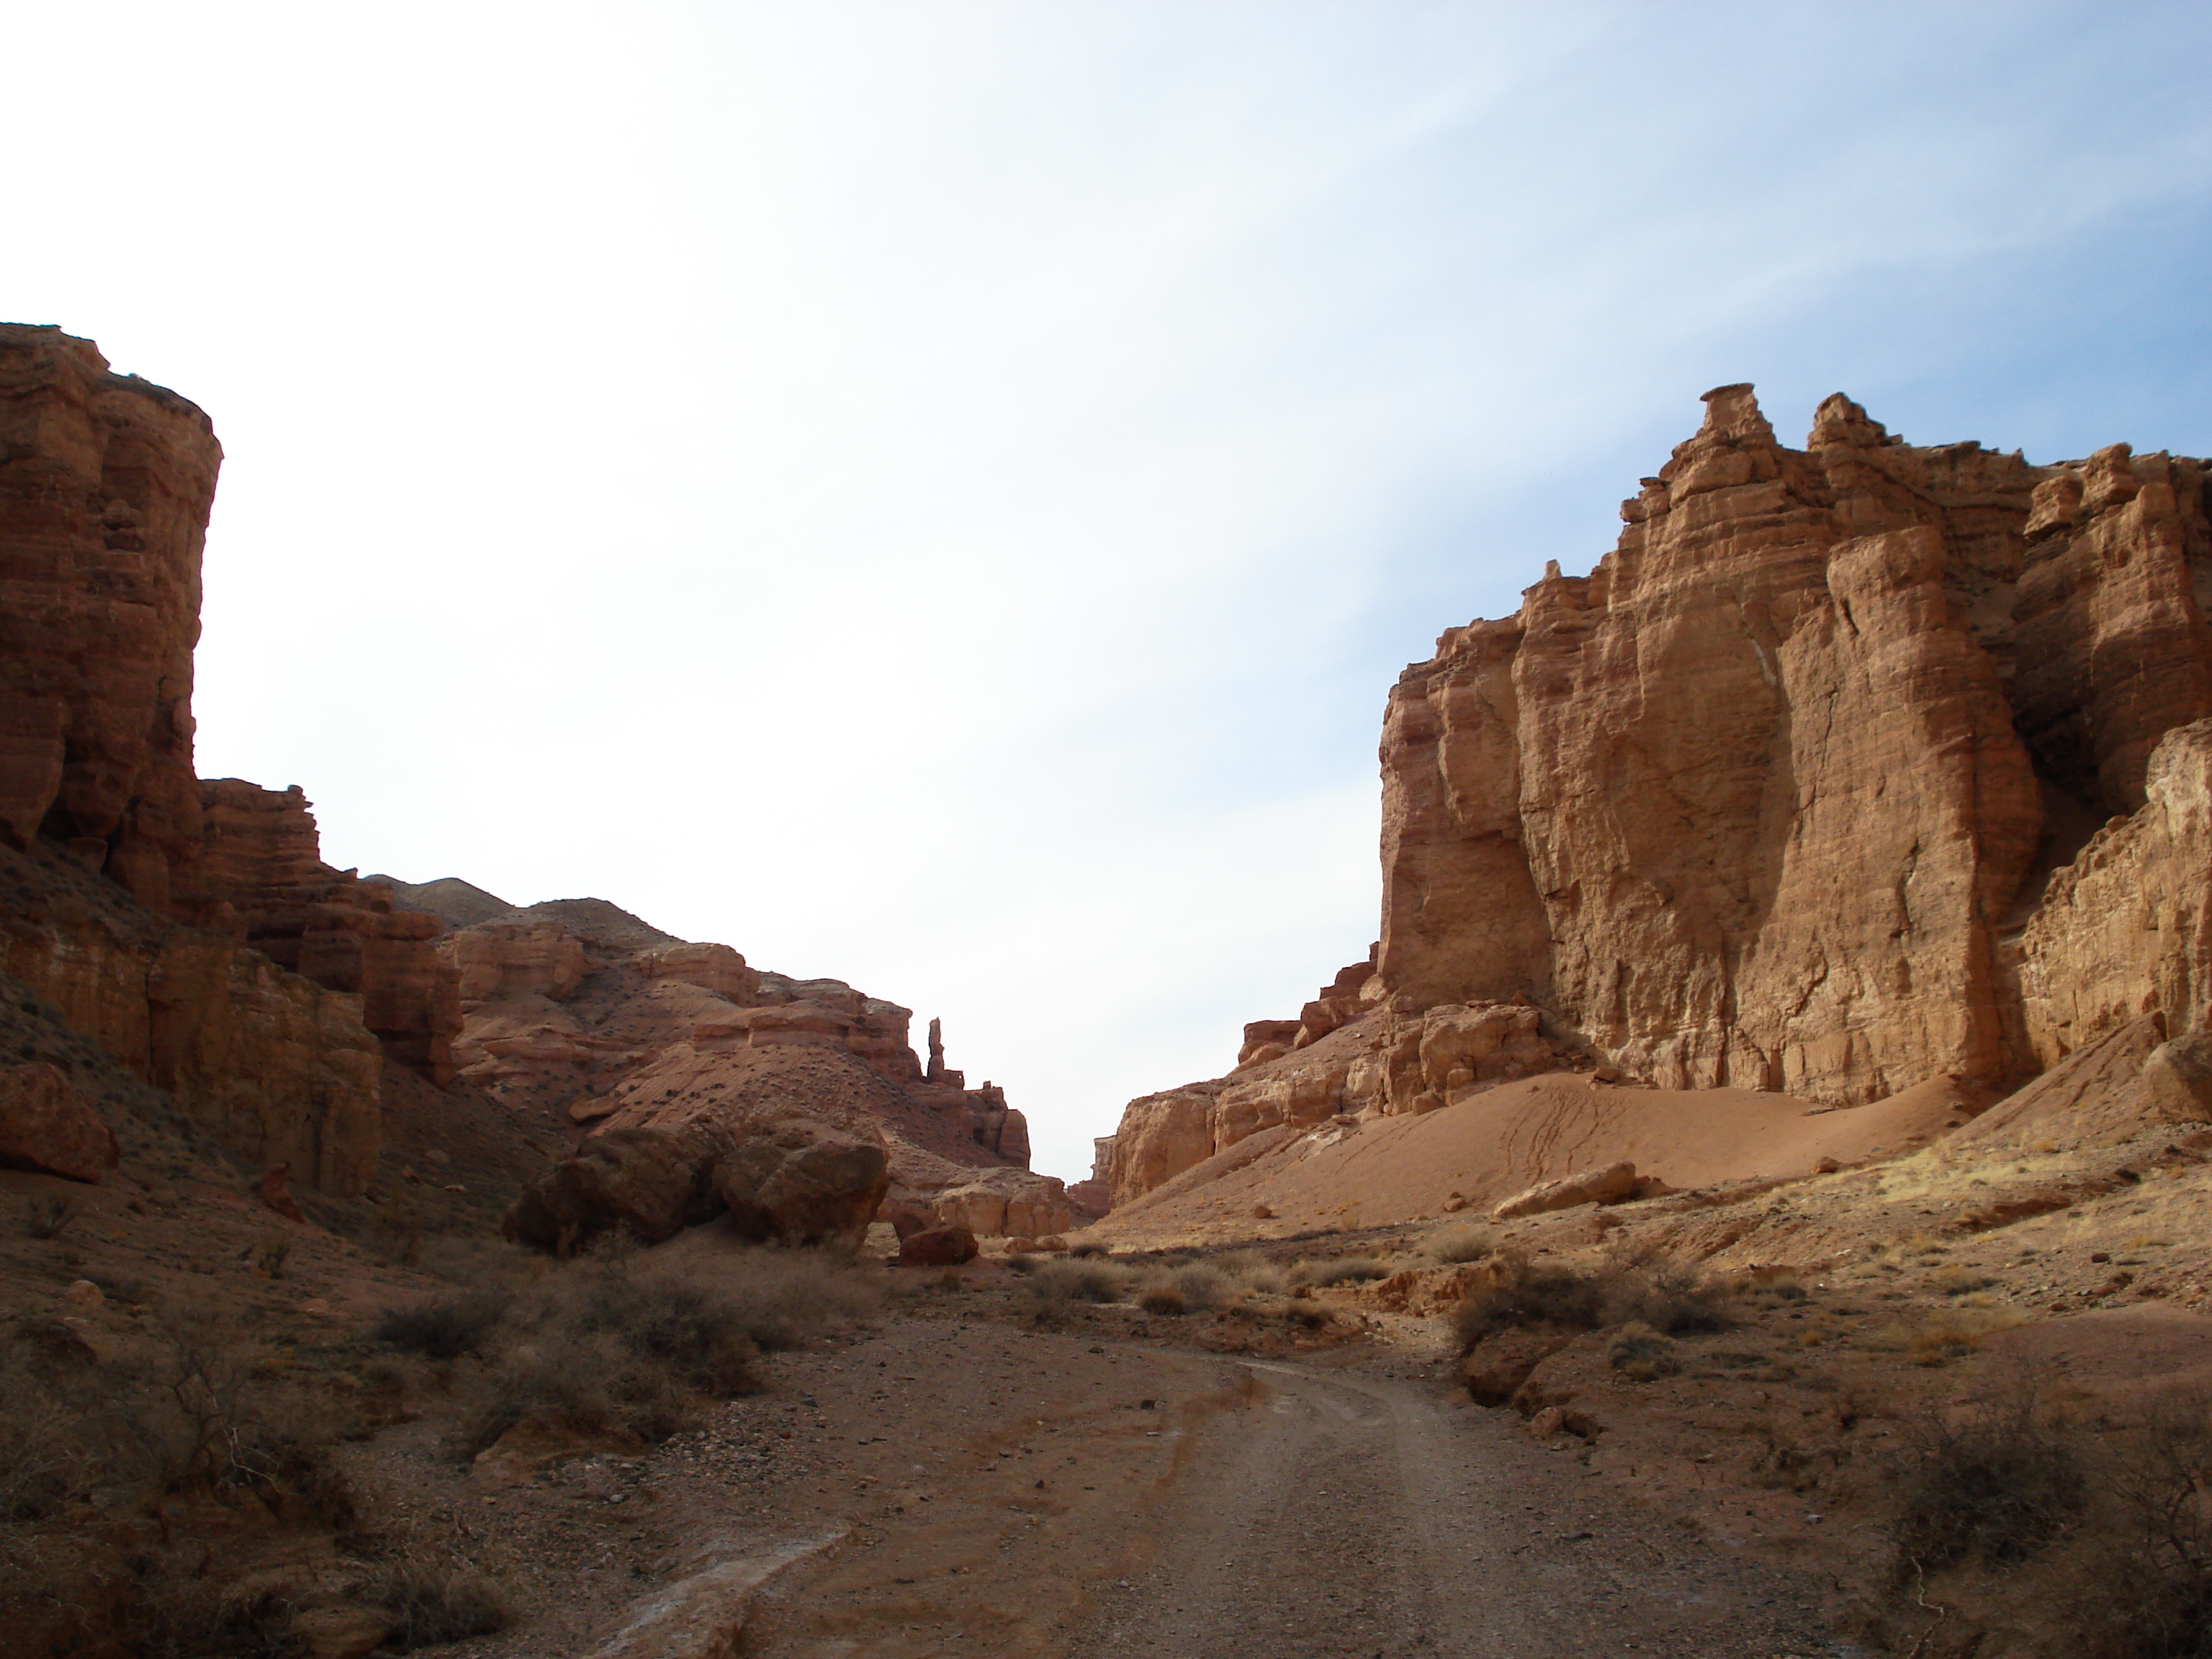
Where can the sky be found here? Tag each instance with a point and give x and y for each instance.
(936, 494)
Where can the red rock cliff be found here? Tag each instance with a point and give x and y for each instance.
(105, 486)
(105, 907)
(1799, 789)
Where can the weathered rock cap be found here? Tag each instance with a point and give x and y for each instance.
(47, 1126)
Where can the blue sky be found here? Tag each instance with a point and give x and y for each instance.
(937, 494)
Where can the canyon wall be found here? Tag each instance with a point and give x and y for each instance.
(105, 486)
(1850, 766)
(106, 483)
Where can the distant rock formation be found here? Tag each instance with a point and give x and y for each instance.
(1850, 767)
(194, 934)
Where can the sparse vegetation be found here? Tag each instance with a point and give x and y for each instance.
(1642, 1354)
(1056, 1284)
(1345, 1270)
(1999, 1486)
(444, 1327)
(1667, 1296)
(47, 1217)
(1462, 1243)
(432, 1601)
(1163, 1299)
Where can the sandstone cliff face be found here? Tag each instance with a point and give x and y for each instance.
(271, 1065)
(261, 855)
(105, 486)
(2125, 930)
(1790, 793)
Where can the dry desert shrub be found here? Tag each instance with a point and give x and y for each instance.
(589, 1388)
(618, 1343)
(1256, 1274)
(1087, 1248)
(172, 1610)
(1642, 1354)
(47, 1217)
(444, 1327)
(1461, 1242)
(1162, 1298)
(1670, 1297)
(432, 1601)
(1054, 1284)
(1345, 1270)
(1998, 1486)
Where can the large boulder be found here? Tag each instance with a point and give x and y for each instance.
(937, 1247)
(2178, 1079)
(651, 1183)
(1614, 1184)
(824, 1191)
(46, 1125)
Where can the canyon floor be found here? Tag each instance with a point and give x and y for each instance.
(1281, 1458)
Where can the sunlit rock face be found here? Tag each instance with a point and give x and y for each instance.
(1755, 802)
(1850, 766)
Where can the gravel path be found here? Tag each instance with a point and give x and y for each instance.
(1350, 1513)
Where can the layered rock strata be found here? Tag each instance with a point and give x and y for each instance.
(262, 855)
(1792, 792)
(105, 486)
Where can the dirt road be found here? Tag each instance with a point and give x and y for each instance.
(1340, 1513)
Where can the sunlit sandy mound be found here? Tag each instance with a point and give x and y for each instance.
(1377, 1171)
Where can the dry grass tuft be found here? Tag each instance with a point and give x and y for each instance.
(1345, 1270)
(431, 1602)
(47, 1217)
(1461, 1242)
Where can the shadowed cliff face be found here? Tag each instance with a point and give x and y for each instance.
(1799, 789)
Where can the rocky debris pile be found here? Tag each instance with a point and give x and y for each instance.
(1850, 767)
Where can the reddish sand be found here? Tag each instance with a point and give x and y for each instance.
(1377, 1171)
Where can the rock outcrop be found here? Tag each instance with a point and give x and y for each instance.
(46, 1125)
(1798, 790)
(262, 855)
(105, 486)
(786, 1181)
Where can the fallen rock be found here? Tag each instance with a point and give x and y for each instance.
(649, 1183)
(2177, 1079)
(938, 1246)
(825, 1193)
(1614, 1184)
(1495, 1369)
(46, 1125)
